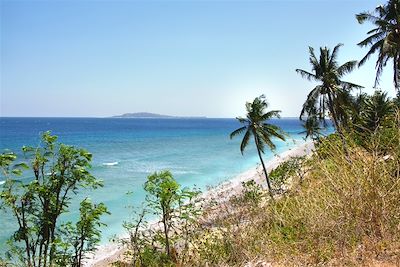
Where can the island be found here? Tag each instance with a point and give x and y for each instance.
(148, 115)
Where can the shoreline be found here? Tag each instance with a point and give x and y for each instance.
(106, 254)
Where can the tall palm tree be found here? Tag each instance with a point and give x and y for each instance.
(384, 38)
(256, 126)
(330, 96)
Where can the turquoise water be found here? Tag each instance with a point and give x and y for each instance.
(125, 151)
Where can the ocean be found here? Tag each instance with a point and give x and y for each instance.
(198, 152)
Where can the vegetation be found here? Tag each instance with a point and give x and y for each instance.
(59, 171)
(281, 174)
(337, 207)
(332, 95)
(179, 212)
(341, 210)
(256, 126)
(384, 39)
(312, 128)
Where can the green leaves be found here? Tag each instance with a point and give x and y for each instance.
(323, 99)
(384, 38)
(59, 171)
(255, 125)
(174, 205)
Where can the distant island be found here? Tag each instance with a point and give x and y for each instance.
(148, 115)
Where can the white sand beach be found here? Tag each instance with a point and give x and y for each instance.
(107, 254)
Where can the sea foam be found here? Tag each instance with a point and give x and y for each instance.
(111, 163)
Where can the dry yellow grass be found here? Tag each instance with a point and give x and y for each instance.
(345, 213)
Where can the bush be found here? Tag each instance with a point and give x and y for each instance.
(252, 192)
(280, 175)
(179, 212)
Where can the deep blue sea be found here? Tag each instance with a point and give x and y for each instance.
(125, 151)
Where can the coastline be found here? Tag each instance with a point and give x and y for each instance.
(106, 254)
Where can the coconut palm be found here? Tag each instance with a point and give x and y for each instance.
(328, 97)
(256, 125)
(312, 128)
(384, 38)
(377, 109)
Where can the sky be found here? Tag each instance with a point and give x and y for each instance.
(184, 58)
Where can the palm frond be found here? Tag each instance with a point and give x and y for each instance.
(265, 139)
(237, 132)
(273, 130)
(372, 39)
(347, 67)
(310, 105)
(245, 141)
(334, 54)
(271, 114)
(305, 74)
(243, 120)
(371, 51)
(350, 86)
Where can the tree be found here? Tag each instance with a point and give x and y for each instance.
(58, 172)
(377, 108)
(331, 95)
(384, 38)
(312, 128)
(166, 198)
(256, 126)
(81, 238)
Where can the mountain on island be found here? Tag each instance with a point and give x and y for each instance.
(148, 115)
(142, 115)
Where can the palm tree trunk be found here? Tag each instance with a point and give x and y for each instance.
(397, 73)
(265, 169)
(336, 123)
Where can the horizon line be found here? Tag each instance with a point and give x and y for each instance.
(111, 117)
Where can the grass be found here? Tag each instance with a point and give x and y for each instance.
(345, 211)
(336, 208)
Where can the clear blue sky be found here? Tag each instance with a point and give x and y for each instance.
(206, 58)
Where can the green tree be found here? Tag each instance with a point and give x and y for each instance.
(384, 38)
(83, 236)
(377, 109)
(312, 128)
(166, 198)
(331, 96)
(59, 171)
(256, 125)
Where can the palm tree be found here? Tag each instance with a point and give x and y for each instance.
(312, 128)
(256, 126)
(377, 108)
(384, 38)
(332, 94)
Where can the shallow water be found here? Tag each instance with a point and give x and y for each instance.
(125, 151)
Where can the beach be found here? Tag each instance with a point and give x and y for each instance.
(109, 253)
(198, 152)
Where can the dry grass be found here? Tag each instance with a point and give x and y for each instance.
(346, 212)
(341, 209)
